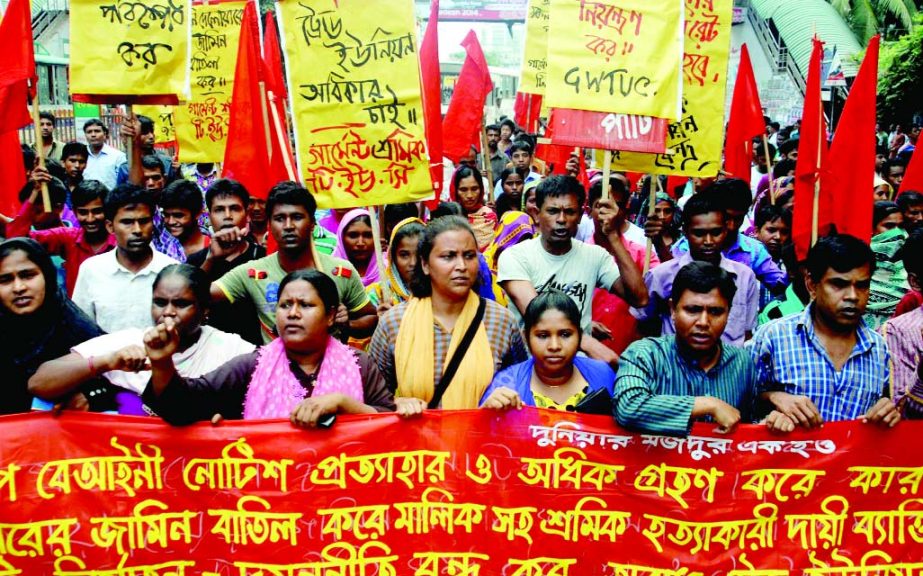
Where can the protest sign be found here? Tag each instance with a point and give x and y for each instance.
(695, 141)
(607, 131)
(130, 49)
(164, 123)
(623, 56)
(495, 493)
(354, 81)
(202, 122)
(535, 52)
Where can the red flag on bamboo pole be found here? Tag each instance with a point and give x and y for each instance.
(431, 83)
(526, 111)
(17, 54)
(17, 87)
(461, 127)
(913, 177)
(246, 158)
(812, 215)
(849, 172)
(282, 161)
(746, 121)
(272, 58)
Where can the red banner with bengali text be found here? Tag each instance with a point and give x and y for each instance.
(528, 492)
(624, 132)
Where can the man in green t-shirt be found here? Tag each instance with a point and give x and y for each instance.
(291, 221)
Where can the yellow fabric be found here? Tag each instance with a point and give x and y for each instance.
(414, 356)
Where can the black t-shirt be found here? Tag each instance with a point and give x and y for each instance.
(240, 317)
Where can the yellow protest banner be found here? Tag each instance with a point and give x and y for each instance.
(535, 53)
(164, 125)
(696, 139)
(129, 48)
(622, 56)
(355, 87)
(202, 122)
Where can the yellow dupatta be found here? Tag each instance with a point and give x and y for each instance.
(414, 356)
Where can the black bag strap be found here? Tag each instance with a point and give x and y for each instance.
(458, 356)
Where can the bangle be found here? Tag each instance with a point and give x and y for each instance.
(90, 365)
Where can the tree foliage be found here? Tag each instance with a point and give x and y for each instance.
(869, 17)
(900, 79)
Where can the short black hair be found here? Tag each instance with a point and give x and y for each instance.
(88, 191)
(152, 162)
(507, 172)
(520, 146)
(783, 167)
(57, 192)
(615, 184)
(732, 194)
(195, 277)
(882, 210)
(907, 199)
(761, 151)
(28, 157)
(446, 209)
(495, 127)
(394, 213)
(45, 115)
(224, 187)
(323, 284)
(841, 252)
(55, 169)
(292, 194)
(788, 146)
(775, 126)
(891, 163)
(420, 284)
(703, 277)
(147, 125)
(911, 253)
(770, 213)
(550, 299)
(700, 204)
(127, 195)
(557, 186)
(95, 122)
(74, 149)
(509, 124)
(182, 194)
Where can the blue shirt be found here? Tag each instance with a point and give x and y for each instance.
(751, 253)
(789, 357)
(656, 385)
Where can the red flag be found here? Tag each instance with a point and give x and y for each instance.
(526, 111)
(745, 123)
(431, 83)
(913, 177)
(12, 172)
(462, 124)
(272, 59)
(812, 152)
(246, 158)
(14, 107)
(849, 171)
(17, 54)
(282, 162)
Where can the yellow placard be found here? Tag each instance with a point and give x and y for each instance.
(535, 53)
(202, 122)
(131, 48)
(164, 124)
(621, 56)
(355, 87)
(696, 140)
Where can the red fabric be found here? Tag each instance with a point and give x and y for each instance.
(554, 156)
(276, 94)
(674, 182)
(272, 58)
(745, 123)
(12, 172)
(910, 302)
(246, 158)
(461, 127)
(17, 54)
(14, 107)
(850, 168)
(913, 177)
(526, 111)
(812, 152)
(431, 82)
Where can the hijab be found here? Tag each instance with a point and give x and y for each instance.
(371, 273)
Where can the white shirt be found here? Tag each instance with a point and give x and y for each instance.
(587, 228)
(114, 297)
(105, 165)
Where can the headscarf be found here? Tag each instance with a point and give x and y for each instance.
(510, 230)
(399, 292)
(658, 198)
(484, 220)
(371, 273)
(49, 332)
(531, 184)
(889, 281)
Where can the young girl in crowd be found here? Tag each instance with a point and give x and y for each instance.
(402, 258)
(468, 190)
(419, 344)
(303, 374)
(180, 293)
(355, 242)
(528, 200)
(555, 377)
(512, 181)
(38, 322)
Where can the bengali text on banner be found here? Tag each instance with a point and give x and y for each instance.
(130, 48)
(354, 81)
(696, 140)
(202, 122)
(519, 493)
(623, 56)
(164, 124)
(535, 51)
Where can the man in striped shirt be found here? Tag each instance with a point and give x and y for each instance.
(825, 364)
(665, 384)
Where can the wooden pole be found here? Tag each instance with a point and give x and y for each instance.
(772, 196)
(651, 201)
(486, 156)
(40, 149)
(265, 111)
(277, 126)
(376, 238)
(130, 143)
(607, 172)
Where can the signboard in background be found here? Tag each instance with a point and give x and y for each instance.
(608, 131)
(475, 10)
(354, 81)
(696, 140)
(624, 57)
(82, 113)
(164, 123)
(535, 51)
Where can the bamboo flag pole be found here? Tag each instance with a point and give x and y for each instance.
(376, 238)
(130, 143)
(607, 171)
(277, 126)
(485, 155)
(40, 149)
(265, 118)
(651, 202)
(772, 196)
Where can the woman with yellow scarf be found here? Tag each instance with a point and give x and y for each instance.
(420, 344)
(402, 257)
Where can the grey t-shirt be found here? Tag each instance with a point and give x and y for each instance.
(577, 273)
